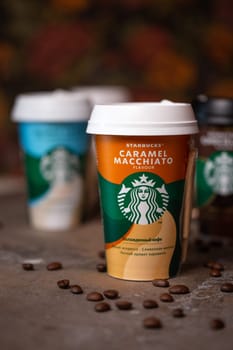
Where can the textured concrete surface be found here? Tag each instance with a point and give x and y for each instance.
(36, 314)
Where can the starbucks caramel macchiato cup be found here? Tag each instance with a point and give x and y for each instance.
(145, 164)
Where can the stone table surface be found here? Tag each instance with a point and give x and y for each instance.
(36, 314)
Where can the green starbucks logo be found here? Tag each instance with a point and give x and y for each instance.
(59, 166)
(143, 199)
(218, 173)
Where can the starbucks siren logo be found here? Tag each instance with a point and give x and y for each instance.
(218, 174)
(142, 202)
(59, 166)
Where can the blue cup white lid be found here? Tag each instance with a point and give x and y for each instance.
(55, 106)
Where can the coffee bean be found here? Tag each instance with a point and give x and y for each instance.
(152, 322)
(54, 266)
(178, 312)
(209, 264)
(217, 266)
(214, 265)
(203, 247)
(161, 283)
(166, 297)
(227, 287)
(111, 294)
(28, 266)
(124, 305)
(63, 284)
(198, 242)
(102, 254)
(150, 304)
(102, 307)
(216, 243)
(215, 273)
(95, 296)
(216, 324)
(101, 267)
(76, 289)
(179, 289)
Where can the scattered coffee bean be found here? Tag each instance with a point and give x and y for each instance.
(101, 267)
(124, 305)
(150, 304)
(54, 266)
(218, 266)
(102, 307)
(152, 322)
(198, 241)
(215, 273)
(178, 312)
(63, 284)
(202, 246)
(166, 297)
(102, 254)
(161, 283)
(179, 289)
(214, 265)
(111, 294)
(28, 266)
(217, 324)
(227, 287)
(76, 289)
(209, 264)
(216, 243)
(95, 296)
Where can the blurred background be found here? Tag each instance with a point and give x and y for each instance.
(173, 49)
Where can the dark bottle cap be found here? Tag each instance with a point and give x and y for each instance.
(213, 110)
(219, 111)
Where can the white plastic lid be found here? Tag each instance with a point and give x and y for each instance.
(103, 94)
(55, 106)
(157, 118)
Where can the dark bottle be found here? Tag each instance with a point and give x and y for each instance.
(214, 168)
